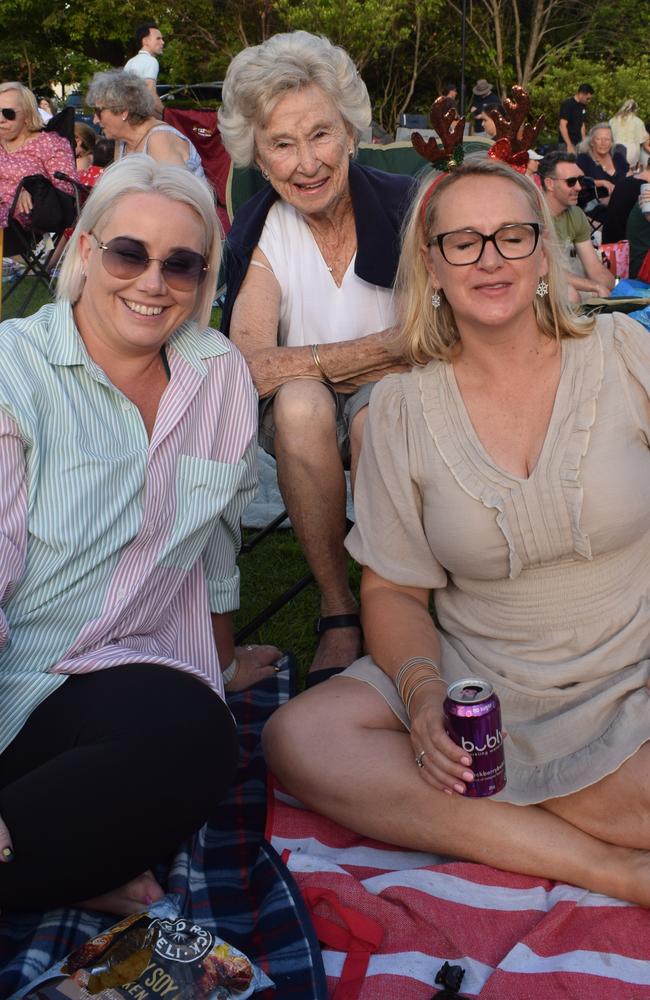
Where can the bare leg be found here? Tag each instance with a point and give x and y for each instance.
(136, 895)
(356, 765)
(312, 483)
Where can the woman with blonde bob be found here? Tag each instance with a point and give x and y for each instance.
(127, 453)
(508, 473)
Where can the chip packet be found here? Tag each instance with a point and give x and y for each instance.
(153, 955)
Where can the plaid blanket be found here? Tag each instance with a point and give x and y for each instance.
(228, 878)
(390, 918)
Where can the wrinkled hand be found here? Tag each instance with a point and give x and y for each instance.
(6, 847)
(255, 664)
(24, 204)
(445, 766)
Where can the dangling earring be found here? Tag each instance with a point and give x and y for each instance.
(542, 288)
(435, 299)
(265, 175)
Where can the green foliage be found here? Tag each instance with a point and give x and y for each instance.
(612, 86)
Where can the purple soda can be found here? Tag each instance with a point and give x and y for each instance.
(473, 721)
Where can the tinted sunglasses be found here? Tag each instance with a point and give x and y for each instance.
(9, 114)
(570, 181)
(127, 258)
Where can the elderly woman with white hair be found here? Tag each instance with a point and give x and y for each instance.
(127, 453)
(124, 107)
(310, 267)
(598, 159)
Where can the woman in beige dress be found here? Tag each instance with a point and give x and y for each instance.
(509, 474)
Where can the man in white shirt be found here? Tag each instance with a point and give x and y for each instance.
(145, 64)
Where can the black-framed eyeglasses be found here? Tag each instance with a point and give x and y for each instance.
(9, 114)
(466, 246)
(569, 181)
(126, 258)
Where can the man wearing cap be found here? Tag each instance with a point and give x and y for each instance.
(573, 118)
(561, 179)
(483, 97)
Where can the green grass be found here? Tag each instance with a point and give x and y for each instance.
(13, 305)
(266, 572)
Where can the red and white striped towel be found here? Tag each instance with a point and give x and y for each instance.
(389, 918)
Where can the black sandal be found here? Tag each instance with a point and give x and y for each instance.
(324, 624)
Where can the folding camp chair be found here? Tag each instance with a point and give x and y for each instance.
(200, 127)
(54, 211)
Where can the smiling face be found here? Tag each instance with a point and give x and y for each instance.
(563, 195)
(120, 318)
(304, 147)
(492, 292)
(10, 131)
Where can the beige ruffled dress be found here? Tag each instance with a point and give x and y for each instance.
(541, 585)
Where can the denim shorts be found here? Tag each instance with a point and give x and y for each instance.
(347, 407)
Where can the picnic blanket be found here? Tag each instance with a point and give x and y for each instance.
(389, 919)
(227, 877)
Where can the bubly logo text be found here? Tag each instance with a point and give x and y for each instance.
(491, 743)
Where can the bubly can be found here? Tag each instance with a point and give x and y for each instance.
(473, 721)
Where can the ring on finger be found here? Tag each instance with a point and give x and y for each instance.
(419, 760)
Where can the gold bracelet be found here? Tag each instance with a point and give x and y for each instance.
(409, 699)
(411, 664)
(319, 364)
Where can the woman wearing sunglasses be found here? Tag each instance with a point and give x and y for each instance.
(127, 453)
(508, 473)
(124, 108)
(26, 150)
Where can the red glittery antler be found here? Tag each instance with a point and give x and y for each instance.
(450, 127)
(513, 126)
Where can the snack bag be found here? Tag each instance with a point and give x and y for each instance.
(153, 955)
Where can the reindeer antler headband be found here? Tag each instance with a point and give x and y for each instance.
(451, 128)
(514, 135)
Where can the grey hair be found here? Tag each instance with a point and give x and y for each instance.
(140, 174)
(585, 145)
(260, 75)
(426, 332)
(33, 121)
(121, 91)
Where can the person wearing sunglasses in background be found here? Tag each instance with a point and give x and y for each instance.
(26, 150)
(127, 453)
(562, 179)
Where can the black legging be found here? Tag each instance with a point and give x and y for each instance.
(107, 777)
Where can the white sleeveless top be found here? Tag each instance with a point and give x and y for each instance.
(313, 309)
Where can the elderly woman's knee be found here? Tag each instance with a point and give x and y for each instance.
(304, 409)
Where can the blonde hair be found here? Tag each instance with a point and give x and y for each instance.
(627, 108)
(426, 332)
(259, 76)
(140, 174)
(29, 107)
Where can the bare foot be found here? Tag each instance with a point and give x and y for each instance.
(136, 895)
(338, 647)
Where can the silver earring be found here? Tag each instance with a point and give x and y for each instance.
(542, 288)
(435, 299)
(350, 153)
(265, 175)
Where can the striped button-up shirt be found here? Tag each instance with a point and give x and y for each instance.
(115, 548)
